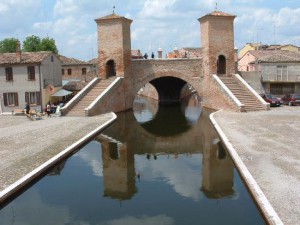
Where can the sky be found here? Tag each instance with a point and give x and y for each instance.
(156, 23)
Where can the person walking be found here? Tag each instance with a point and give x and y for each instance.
(48, 110)
(27, 108)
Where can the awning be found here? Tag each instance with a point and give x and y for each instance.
(62, 92)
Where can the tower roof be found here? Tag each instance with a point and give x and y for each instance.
(112, 16)
(218, 14)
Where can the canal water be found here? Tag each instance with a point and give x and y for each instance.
(155, 165)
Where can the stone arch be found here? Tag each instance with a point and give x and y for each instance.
(110, 68)
(169, 74)
(221, 65)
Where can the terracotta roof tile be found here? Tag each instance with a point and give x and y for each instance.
(71, 61)
(276, 56)
(111, 17)
(219, 13)
(26, 57)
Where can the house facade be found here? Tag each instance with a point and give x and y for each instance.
(277, 70)
(28, 77)
(74, 69)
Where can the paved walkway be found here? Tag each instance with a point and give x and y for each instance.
(26, 144)
(268, 142)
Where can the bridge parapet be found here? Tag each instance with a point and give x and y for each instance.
(145, 70)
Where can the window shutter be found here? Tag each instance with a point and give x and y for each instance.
(16, 99)
(27, 97)
(5, 99)
(38, 98)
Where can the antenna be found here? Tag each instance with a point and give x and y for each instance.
(274, 31)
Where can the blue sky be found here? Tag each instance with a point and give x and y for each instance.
(156, 23)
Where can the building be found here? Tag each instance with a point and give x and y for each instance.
(74, 69)
(28, 77)
(258, 46)
(277, 70)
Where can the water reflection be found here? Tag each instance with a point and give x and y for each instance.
(131, 175)
(168, 136)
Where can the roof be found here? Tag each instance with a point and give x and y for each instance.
(93, 61)
(74, 85)
(192, 52)
(26, 57)
(217, 14)
(136, 53)
(275, 56)
(61, 92)
(112, 16)
(72, 61)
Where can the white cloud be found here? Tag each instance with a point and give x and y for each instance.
(145, 220)
(42, 26)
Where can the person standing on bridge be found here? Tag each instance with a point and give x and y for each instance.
(146, 56)
(152, 55)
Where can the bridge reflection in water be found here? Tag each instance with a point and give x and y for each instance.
(168, 168)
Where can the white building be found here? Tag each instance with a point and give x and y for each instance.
(28, 77)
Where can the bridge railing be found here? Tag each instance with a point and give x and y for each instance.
(95, 107)
(66, 108)
(263, 102)
(240, 106)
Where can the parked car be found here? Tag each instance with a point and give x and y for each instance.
(272, 100)
(291, 99)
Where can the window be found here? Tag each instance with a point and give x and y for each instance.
(11, 99)
(33, 98)
(83, 71)
(69, 71)
(62, 71)
(31, 72)
(282, 73)
(9, 74)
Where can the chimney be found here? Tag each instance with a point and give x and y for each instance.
(18, 52)
(159, 53)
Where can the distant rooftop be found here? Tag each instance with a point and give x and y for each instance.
(26, 57)
(72, 61)
(275, 56)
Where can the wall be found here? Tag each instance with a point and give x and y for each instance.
(77, 72)
(20, 84)
(243, 64)
(253, 78)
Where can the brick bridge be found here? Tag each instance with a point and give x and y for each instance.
(120, 77)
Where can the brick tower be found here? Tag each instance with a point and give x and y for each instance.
(217, 37)
(114, 46)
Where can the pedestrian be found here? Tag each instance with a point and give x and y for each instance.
(48, 110)
(152, 55)
(146, 56)
(27, 108)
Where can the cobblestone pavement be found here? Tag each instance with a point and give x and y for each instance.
(26, 144)
(269, 145)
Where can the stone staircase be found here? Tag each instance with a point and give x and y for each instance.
(78, 109)
(242, 93)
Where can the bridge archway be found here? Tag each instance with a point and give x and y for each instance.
(168, 88)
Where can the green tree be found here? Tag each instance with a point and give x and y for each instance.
(34, 44)
(31, 44)
(48, 44)
(8, 45)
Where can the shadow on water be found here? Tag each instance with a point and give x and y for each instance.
(154, 165)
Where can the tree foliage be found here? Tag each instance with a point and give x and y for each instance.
(34, 44)
(8, 45)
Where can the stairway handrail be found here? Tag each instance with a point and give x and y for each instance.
(229, 92)
(79, 95)
(102, 94)
(265, 104)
